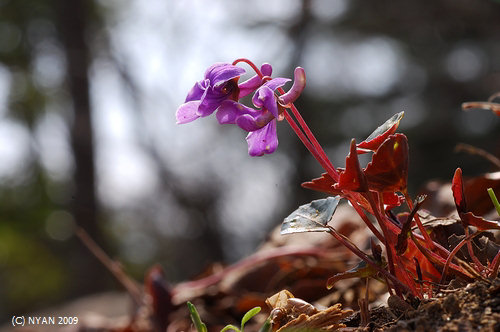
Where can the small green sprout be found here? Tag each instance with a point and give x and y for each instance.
(201, 327)
(494, 200)
(195, 317)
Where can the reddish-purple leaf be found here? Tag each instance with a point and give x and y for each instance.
(381, 133)
(457, 186)
(468, 218)
(159, 291)
(392, 200)
(482, 224)
(324, 184)
(402, 243)
(388, 170)
(352, 178)
(476, 192)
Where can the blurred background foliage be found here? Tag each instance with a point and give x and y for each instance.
(88, 92)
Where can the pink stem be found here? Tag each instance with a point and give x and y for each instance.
(454, 252)
(303, 138)
(329, 166)
(385, 231)
(366, 220)
(495, 264)
(251, 64)
(477, 264)
(345, 241)
(421, 227)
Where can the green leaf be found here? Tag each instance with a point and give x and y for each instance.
(230, 327)
(250, 313)
(311, 217)
(267, 326)
(195, 317)
(494, 200)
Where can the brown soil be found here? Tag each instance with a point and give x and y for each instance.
(475, 307)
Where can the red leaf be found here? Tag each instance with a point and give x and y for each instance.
(457, 186)
(381, 133)
(156, 286)
(476, 194)
(324, 184)
(402, 243)
(352, 178)
(428, 270)
(388, 170)
(469, 219)
(392, 199)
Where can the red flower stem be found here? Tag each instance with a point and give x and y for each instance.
(381, 222)
(307, 143)
(454, 252)
(349, 245)
(421, 227)
(408, 279)
(309, 140)
(477, 264)
(495, 264)
(250, 63)
(464, 269)
(367, 221)
(330, 169)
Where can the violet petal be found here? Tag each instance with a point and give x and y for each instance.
(229, 110)
(187, 112)
(220, 73)
(249, 86)
(198, 90)
(247, 123)
(299, 84)
(265, 98)
(266, 69)
(264, 140)
(277, 82)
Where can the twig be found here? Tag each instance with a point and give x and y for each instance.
(113, 266)
(477, 151)
(494, 107)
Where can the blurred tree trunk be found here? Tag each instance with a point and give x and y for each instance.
(73, 19)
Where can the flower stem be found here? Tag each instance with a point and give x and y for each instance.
(367, 221)
(421, 227)
(327, 164)
(385, 231)
(302, 129)
(454, 252)
(345, 241)
(477, 264)
(251, 64)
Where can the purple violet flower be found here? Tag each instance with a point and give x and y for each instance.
(261, 123)
(253, 83)
(219, 90)
(220, 84)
